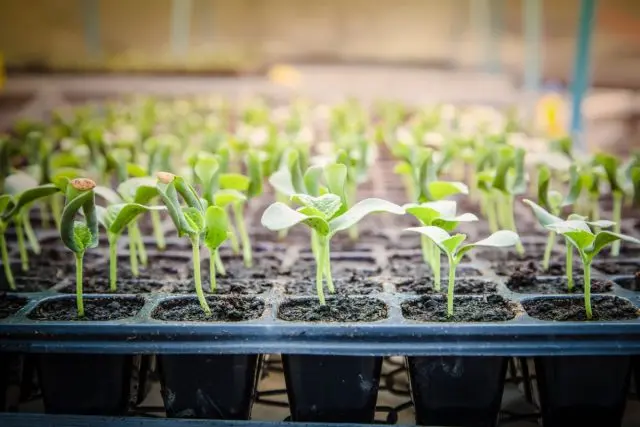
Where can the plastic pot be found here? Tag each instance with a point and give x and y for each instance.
(583, 390)
(211, 386)
(85, 384)
(457, 391)
(332, 388)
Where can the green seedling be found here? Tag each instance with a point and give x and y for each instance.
(325, 216)
(76, 235)
(613, 169)
(454, 249)
(552, 201)
(440, 214)
(217, 231)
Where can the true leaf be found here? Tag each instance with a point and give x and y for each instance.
(327, 204)
(194, 218)
(217, 227)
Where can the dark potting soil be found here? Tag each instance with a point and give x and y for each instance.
(340, 268)
(96, 308)
(265, 266)
(414, 266)
(433, 308)
(531, 284)
(223, 286)
(10, 305)
(532, 268)
(617, 267)
(463, 286)
(28, 284)
(159, 268)
(630, 283)
(533, 252)
(568, 309)
(100, 285)
(336, 309)
(351, 286)
(223, 309)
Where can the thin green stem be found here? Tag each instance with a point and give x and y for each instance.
(617, 218)
(238, 212)
(436, 271)
(233, 238)
(158, 232)
(212, 269)
(327, 264)
(5, 262)
(314, 243)
(142, 251)
(551, 240)
(426, 249)
(44, 215)
(569, 266)
(195, 245)
(219, 265)
(594, 207)
(113, 263)
(512, 223)
(22, 248)
(490, 211)
(56, 208)
(79, 296)
(320, 267)
(450, 286)
(587, 288)
(31, 235)
(133, 252)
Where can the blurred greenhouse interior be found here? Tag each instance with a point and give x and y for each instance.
(485, 51)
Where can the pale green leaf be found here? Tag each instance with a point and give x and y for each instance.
(217, 227)
(194, 218)
(279, 216)
(360, 210)
(107, 194)
(604, 238)
(234, 181)
(543, 217)
(226, 197)
(327, 204)
(440, 189)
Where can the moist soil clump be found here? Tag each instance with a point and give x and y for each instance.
(531, 284)
(101, 308)
(532, 268)
(336, 309)
(10, 305)
(433, 308)
(572, 309)
(340, 268)
(617, 267)
(223, 309)
(101, 285)
(463, 286)
(352, 286)
(223, 286)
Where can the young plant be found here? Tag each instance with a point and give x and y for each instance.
(552, 201)
(454, 249)
(325, 216)
(612, 168)
(217, 231)
(188, 220)
(439, 214)
(76, 235)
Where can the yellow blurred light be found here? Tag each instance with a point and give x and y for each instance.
(552, 115)
(285, 75)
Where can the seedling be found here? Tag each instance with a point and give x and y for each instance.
(612, 168)
(76, 235)
(552, 201)
(325, 216)
(454, 249)
(440, 214)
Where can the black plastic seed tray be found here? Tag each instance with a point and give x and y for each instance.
(394, 334)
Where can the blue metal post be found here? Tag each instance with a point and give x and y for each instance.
(582, 70)
(180, 27)
(91, 23)
(532, 17)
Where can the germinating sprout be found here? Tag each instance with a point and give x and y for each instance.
(454, 249)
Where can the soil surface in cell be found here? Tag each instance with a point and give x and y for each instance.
(566, 309)
(533, 252)
(531, 284)
(414, 266)
(532, 268)
(351, 286)
(101, 308)
(10, 305)
(617, 267)
(340, 268)
(28, 284)
(336, 309)
(366, 239)
(158, 268)
(264, 267)
(101, 285)
(463, 286)
(630, 283)
(223, 286)
(489, 308)
(223, 309)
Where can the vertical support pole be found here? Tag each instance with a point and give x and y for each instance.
(91, 23)
(180, 27)
(484, 20)
(581, 71)
(532, 17)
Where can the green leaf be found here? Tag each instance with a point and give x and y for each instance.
(327, 204)
(169, 196)
(234, 181)
(580, 237)
(295, 171)
(438, 190)
(403, 168)
(81, 236)
(104, 219)
(336, 177)
(312, 180)
(519, 185)
(85, 201)
(280, 180)
(29, 196)
(126, 213)
(427, 212)
(505, 161)
(107, 194)
(188, 194)
(5, 201)
(610, 164)
(279, 216)
(135, 170)
(139, 190)
(18, 183)
(194, 218)
(544, 217)
(61, 177)
(544, 178)
(436, 234)
(360, 210)
(226, 197)
(206, 168)
(217, 227)
(575, 186)
(452, 243)
(254, 169)
(604, 238)
(499, 239)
